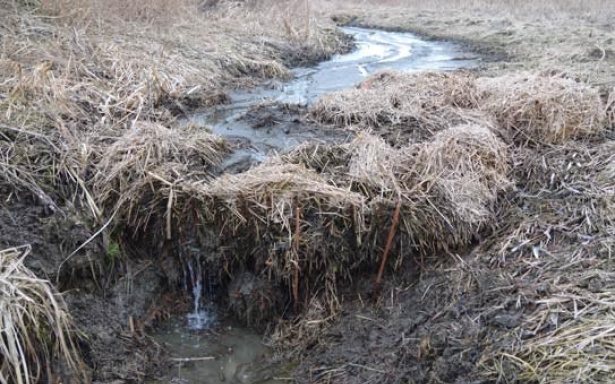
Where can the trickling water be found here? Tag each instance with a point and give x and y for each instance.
(203, 315)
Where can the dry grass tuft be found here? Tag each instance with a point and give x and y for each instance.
(470, 163)
(34, 322)
(373, 164)
(453, 186)
(286, 184)
(533, 108)
(401, 105)
(149, 158)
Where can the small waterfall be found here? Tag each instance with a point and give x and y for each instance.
(203, 315)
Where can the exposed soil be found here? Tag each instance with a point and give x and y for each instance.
(53, 233)
(424, 331)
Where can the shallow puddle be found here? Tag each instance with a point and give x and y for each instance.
(221, 354)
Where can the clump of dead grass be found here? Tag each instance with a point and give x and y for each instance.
(471, 164)
(453, 185)
(291, 205)
(533, 108)
(35, 326)
(151, 157)
(373, 164)
(400, 105)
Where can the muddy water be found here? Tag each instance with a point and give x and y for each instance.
(258, 121)
(376, 50)
(268, 118)
(223, 354)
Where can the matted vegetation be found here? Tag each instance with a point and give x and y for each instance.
(529, 108)
(470, 164)
(402, 106)
(558, 247)
(546, 109)
(148, 159)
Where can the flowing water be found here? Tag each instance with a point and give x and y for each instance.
(204, 348)
(375, 50)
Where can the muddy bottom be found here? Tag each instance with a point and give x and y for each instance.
(420, 330)
(221, 354)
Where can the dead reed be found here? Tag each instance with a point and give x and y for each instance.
(546, 109)
(150, 158)
(470, 165)
(36, 328)
(401, 106)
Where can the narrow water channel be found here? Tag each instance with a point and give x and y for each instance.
(268, 118)
(204, 348)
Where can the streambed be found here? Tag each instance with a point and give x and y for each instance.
(270, 117)
(205, 348)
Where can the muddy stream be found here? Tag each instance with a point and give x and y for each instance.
(205, 347)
